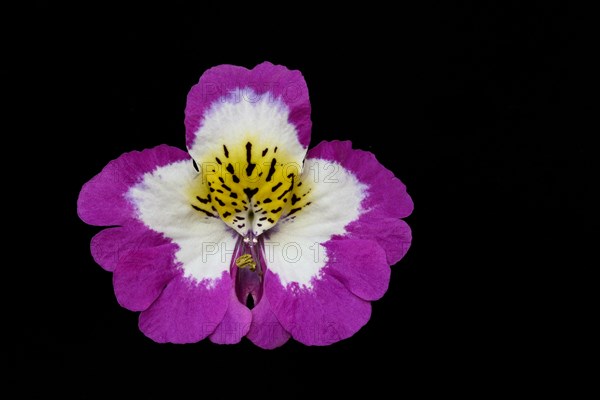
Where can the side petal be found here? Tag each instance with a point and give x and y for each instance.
(294, 248)
(385, 197)
(111, 245)
(142, 274)
(322, 315)
(263, 81)
(170, 258)
(186, 311)
(102, 200)
(395, 239)
(361, 265)
(235, 324)
(165, 201)
(266, 331)
(330, 253)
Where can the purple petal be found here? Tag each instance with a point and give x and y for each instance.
(266, 331)
(361, 265)
(141, 276)
(387, 194)
(395, 239)
(265, 79)
(386, 200)
(102, 201)
(186, 312)
(235, 324)
(321, 315)
(111, 245)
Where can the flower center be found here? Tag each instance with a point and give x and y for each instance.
(249, 185)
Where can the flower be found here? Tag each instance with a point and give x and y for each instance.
(247, 233)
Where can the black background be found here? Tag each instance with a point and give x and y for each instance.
(471, 95)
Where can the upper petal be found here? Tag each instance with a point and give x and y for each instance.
(248, 132)
(232, 83)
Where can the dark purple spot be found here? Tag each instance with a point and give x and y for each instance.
(251, 165)
(203, 201)
(271, 170)
(202, 210)
(250, 192)
(287, 190)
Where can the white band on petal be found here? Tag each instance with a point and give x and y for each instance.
(294, 248)
(250, 156)
(237, 117)
(163, 204)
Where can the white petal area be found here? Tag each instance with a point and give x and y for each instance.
(163, 204)
(242, 116)
(294, 249)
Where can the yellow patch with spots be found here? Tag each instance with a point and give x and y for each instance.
(247, 185)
